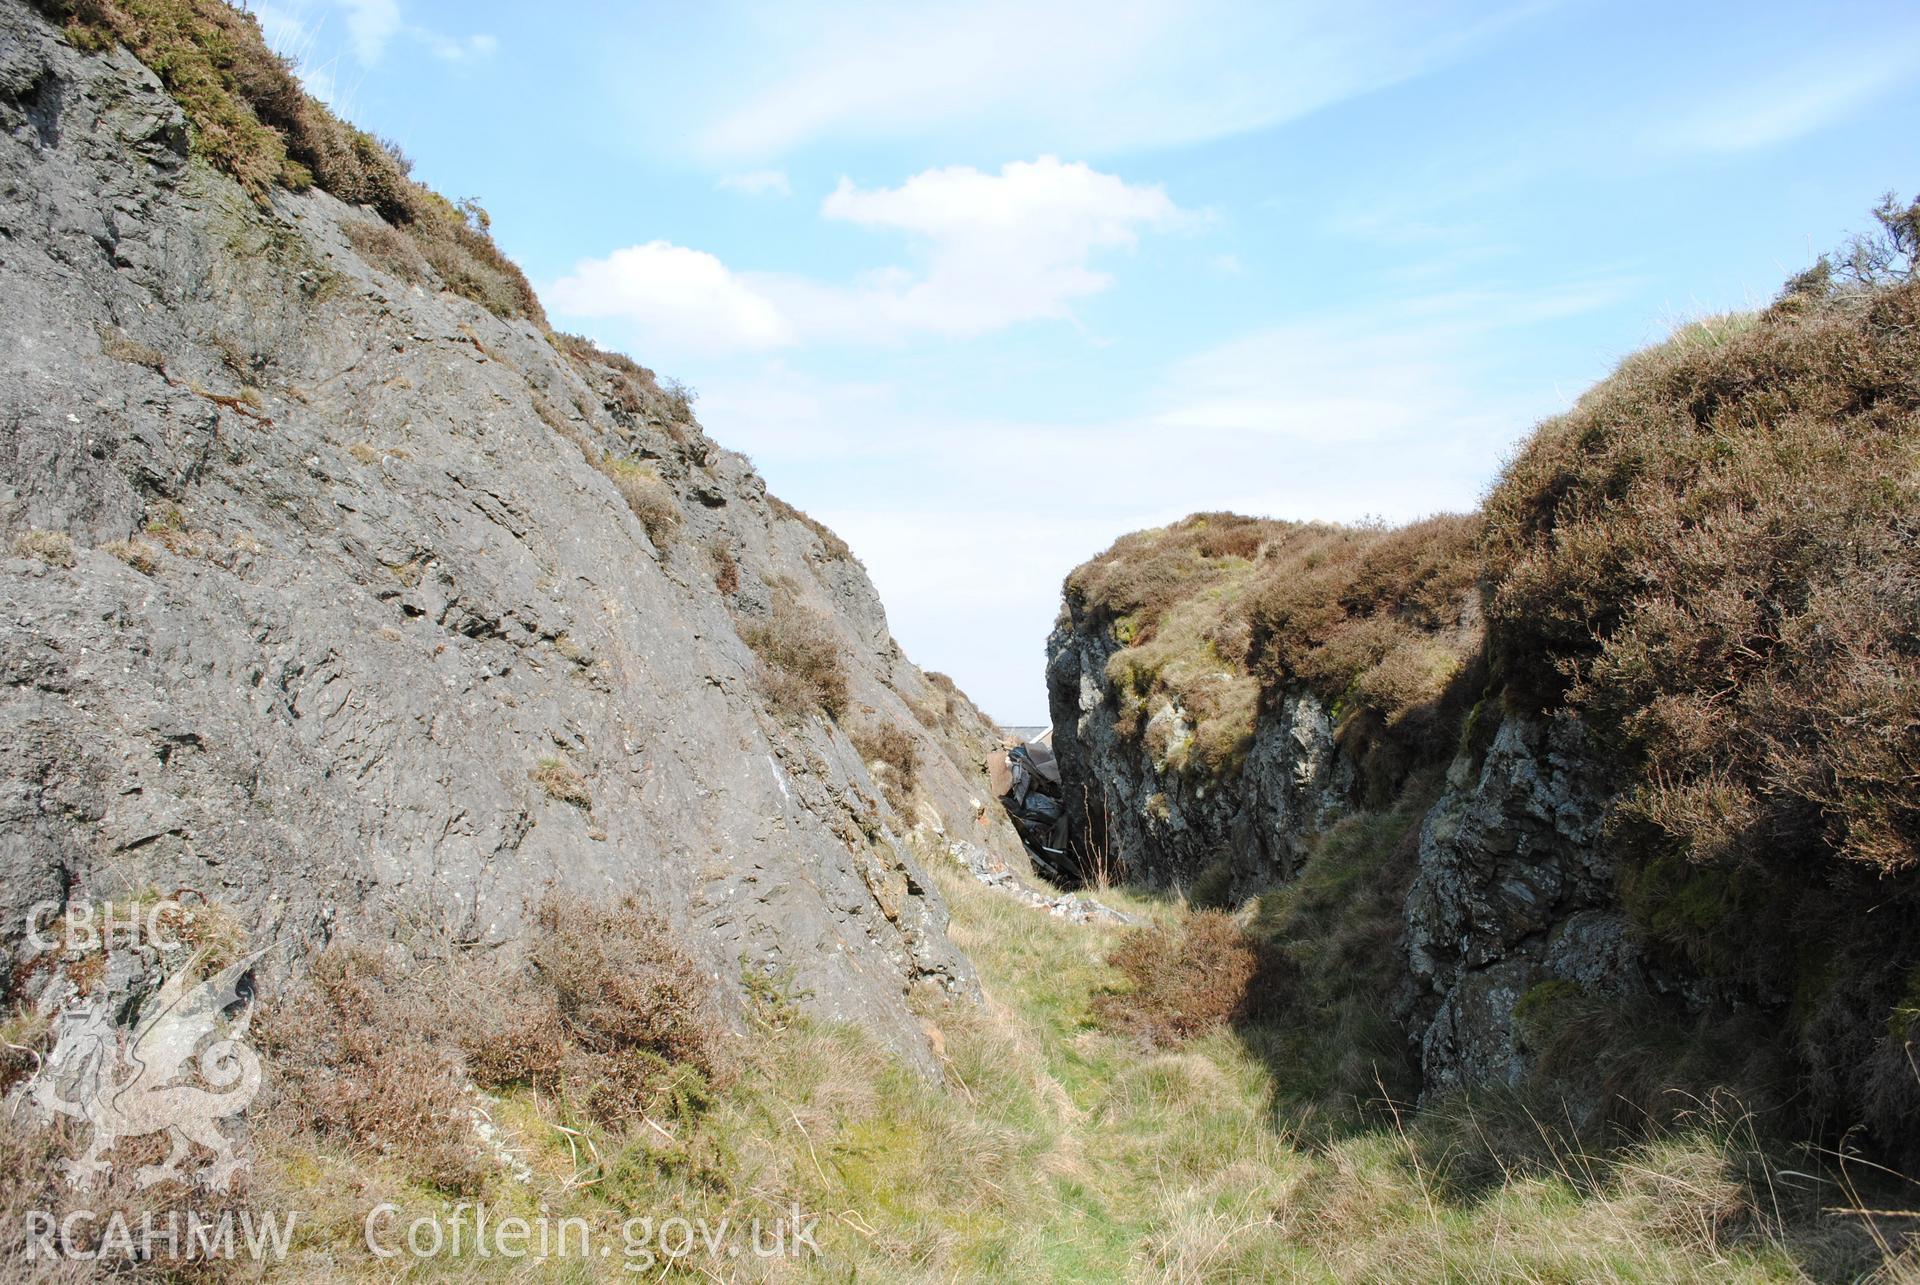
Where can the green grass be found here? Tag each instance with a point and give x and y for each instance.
(1054, 1151)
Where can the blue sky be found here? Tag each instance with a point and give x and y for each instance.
(983, 286)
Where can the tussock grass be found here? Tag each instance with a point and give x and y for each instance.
(647, 494)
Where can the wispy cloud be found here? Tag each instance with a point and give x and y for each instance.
(1408, 371)
(1079, 75)
(299, 29)
(757, 183)
(1778, 106)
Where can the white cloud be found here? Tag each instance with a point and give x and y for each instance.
(674, 296)
(757, 183)
(1089, 75)
(1359, 378)
(1779, 107)
(994, 250)
(997, 249)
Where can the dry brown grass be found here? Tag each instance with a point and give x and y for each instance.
(136, 553)
(562, 781)
(836, 549)
(802, 668)
(55, 548)
(631, 382)
(650, 498)
(726, 570)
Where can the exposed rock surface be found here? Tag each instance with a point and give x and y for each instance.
(1166, 826)
(312, 646)
(1513, 886)
(1513, 889)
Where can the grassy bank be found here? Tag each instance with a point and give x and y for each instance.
(1055, 1150)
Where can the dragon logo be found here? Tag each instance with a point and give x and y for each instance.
(129, 1082)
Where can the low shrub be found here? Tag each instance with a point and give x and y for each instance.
(358, 1060)
(388, 249)
(802, 668)
(1711, 561)
(894, 751)
(612, 1014)
(650, 498)
(1184, 980)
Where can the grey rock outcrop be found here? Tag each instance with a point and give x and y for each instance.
(1514, 888)
(315, 583)
(1166, 826)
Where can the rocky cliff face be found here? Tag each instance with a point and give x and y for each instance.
(1134, 806)
(1512, 888)
(325, 601)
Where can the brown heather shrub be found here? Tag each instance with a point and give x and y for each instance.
(801, 663)
(612, 1015)
(1714, 559)
(250, 118)
(1184, 981)
(358, 1059)
(895, 750)
(388, 249)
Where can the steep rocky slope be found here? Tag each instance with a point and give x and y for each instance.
(369, 610)
(1631, 752)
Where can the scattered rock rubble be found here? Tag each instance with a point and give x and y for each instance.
(1072, 907)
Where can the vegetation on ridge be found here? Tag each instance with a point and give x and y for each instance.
(1220, 613)
(250, 118)
(1713, 560)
